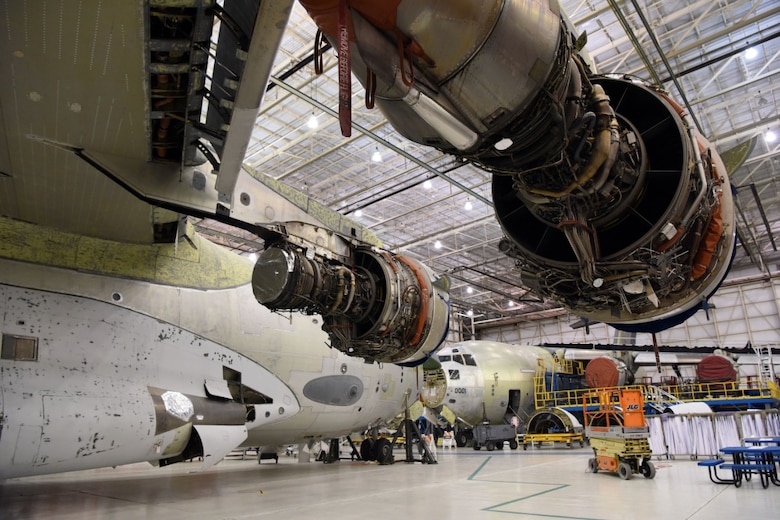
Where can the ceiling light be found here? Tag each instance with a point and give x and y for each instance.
(469, 290)
(376, 156)
(751, 53)
(770, 137)
(511, 303)
(470, 313)
(427, 185)
(437, 244)
(312, 122)
(467, 206)
(359, 213)
(253, 257)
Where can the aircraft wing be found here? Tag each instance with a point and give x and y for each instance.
(73, 75)
(111, 114)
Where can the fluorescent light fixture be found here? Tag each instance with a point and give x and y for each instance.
(312, 122)
(751, 53)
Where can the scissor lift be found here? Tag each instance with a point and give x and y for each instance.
(617, 432)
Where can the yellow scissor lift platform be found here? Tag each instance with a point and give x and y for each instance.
(618, 433)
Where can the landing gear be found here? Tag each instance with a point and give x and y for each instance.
(367, 448)
(383, 451)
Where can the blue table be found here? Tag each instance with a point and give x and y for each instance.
(758, 441)
(749, 460)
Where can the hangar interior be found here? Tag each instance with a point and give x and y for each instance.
(718, 59)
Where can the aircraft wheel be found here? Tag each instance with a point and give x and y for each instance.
(593, 465)
(513, 444)
(624, 470)
(367, 449)
(384, 451)
(648, 469)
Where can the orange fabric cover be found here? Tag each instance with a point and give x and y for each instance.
(325, 13)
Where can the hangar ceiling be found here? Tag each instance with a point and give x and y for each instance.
(719, 58)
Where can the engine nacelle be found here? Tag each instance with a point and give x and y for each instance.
(641, 241)
(610, 201)
(382, 307)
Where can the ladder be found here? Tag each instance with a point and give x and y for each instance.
(766, 369)
(659, 399)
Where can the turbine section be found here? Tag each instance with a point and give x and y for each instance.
(381, 307)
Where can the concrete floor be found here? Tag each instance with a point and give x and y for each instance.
(548, 482)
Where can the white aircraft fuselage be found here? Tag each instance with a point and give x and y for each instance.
(489, 380)
(115, 353)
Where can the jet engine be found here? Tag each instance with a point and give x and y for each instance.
(611, 203)
(382, 307)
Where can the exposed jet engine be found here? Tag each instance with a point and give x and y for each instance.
(611, 203)
(382, 307)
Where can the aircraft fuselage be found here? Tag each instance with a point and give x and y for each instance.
(105, 365)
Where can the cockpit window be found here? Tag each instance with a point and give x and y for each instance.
(454, 374)
(469, 360)
(442, 359)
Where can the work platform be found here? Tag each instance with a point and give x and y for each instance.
(729, 396)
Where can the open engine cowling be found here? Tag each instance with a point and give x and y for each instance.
(382, 307)
(642, 241)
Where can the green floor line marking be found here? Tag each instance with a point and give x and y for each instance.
(538, 515)
(471, 477)
(494, 508)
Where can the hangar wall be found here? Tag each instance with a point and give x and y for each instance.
(740, 312)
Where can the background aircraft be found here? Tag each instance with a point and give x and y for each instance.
(126, 336)
(484, 381)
